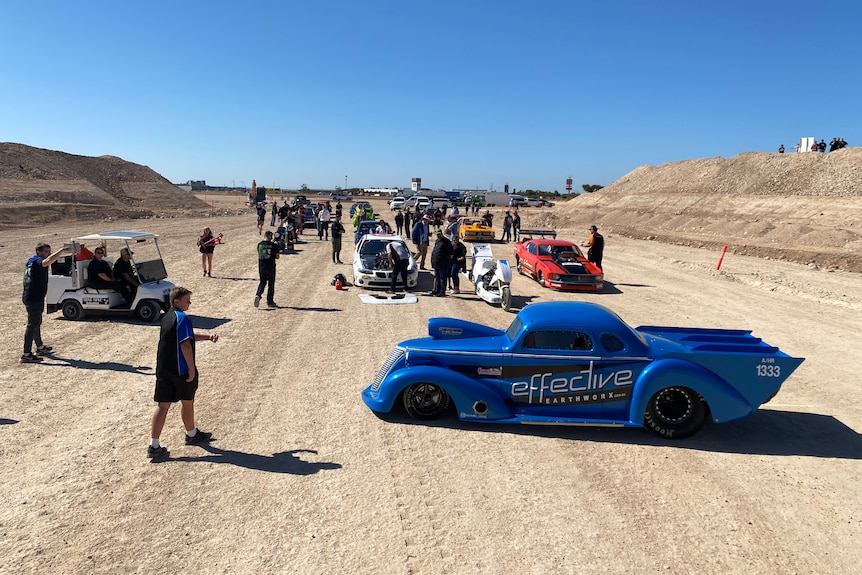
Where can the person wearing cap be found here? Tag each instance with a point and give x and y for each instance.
(596, 245)
(441, 261)
(124, 274)
(420, 235)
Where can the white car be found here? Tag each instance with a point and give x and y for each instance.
(397, 203)
(69, 293)
(371, 262)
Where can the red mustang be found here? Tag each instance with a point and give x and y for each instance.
(557, 264)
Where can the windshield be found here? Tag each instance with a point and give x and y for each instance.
(514, 329)
(373, 247)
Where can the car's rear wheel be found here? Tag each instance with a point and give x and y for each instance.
(148, 311)
(72, 310)
(425, 401)
(675, 412)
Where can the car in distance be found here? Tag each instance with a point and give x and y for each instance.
(475, 230)
(308, 219)
(557, 264)
(371, 262)
(397, 203)
(364, 227)
(364, 206)
(578, 363)
(538, 203)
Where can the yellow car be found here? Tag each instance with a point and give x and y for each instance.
(475, 230)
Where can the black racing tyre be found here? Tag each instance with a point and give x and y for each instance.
(148, 311)
(425, 401)
(506, 296)
(518, 266)
(72, 310)
(675, 412)
(540, 277)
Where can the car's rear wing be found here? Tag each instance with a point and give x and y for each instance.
(734, 354)
(539, 233)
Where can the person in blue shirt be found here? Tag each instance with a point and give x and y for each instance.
(421, 236)
(35, 290)
(177, 373)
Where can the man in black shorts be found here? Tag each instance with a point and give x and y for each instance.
(176, 372)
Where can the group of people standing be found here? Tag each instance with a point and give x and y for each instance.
(448, 257)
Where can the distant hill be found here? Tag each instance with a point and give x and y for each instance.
(799, 207)
(40, 186)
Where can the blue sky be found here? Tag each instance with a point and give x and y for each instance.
(467, 93)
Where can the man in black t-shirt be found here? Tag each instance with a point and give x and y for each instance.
(267, 253)
(33, 296)
(596, 244)
(124, 273)
(99, 273)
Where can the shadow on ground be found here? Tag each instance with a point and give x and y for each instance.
(283, 462)
(766, 432)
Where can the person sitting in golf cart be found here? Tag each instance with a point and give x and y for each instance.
(124, 274)
(99, 273)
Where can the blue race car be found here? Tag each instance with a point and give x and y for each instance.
(578, 363)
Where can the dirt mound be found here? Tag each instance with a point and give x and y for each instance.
(41, 186)
(800, 207)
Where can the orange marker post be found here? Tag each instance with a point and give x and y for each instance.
(723, 251)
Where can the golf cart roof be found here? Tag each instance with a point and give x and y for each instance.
(118, 235)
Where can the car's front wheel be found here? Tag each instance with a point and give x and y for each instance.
(425, 401)
(506, 296)
(675, 412)
(518, 266)
(540, 277)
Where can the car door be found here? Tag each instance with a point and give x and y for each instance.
(528, 262)
(556, 372)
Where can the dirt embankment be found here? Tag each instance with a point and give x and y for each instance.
(42, 186)
(805, 208)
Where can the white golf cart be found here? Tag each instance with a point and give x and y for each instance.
(67, 285)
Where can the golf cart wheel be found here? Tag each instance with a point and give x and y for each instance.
(506, 296)
(148, 311)
(72, 310)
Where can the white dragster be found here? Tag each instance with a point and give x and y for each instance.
(67, 284)
(492, 278)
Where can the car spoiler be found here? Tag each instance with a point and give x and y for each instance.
(539, 233)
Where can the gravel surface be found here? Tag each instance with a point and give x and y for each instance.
(302, 478)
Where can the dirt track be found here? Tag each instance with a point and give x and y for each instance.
(302, 478)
